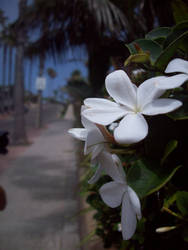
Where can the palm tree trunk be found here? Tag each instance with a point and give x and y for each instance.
(29, 87)
(41, 72)
(10, 65)
(4, 77)
(9, 97)
(19, 136)
(4, 64)
(30, 75)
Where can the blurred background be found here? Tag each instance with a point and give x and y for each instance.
(59, 40)
(53, 55)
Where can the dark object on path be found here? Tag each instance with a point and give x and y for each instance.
(3, 200)
(4, 141)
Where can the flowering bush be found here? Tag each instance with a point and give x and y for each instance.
(144, 156)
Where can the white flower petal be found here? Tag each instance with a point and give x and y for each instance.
(177, 65)
(112, 126)
(121, 88)
(128, 218)
(94, 142)
(104, 116)
(120, 168)
(148, 91)
(111, 193)
(97, 175)
(135, 202)
(110, 167)
(83, 107)
(161, 106)
(171, 82)
(87, 124)
(132, 128)
(96, 150)
(100, 103)
(78, 133)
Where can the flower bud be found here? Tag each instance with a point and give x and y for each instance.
(164, 229)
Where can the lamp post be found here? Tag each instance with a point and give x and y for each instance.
(40, 86)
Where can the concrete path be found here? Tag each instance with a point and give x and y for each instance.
(41, 187)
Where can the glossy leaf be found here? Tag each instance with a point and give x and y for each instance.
(182, 202)
(177, 31)
(169, 148)
(148, 46)
(169, 201)
(168, 53)
(137, 58)
(182, 112)
(146, 179)
(180, 10)
(161, 32)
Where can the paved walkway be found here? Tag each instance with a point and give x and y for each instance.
(41, 189)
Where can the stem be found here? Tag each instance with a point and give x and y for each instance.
(172, 213)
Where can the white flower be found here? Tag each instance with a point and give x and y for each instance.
(116, 192)
(94, 140)
(95, 144)
(176, 65)
(112, 126)
(131, 104)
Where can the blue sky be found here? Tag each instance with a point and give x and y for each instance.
(63, 69)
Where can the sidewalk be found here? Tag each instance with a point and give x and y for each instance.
(41, 189)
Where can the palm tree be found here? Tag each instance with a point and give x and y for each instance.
(19, 135)
(79, 23)
(4, 64)
(92, 24)
(10, 64)
(30, 74)
(3, 20)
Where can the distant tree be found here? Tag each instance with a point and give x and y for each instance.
(19, 135)
(52, 73)
(78, 23)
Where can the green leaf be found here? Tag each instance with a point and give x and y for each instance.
(169, 52)
(171, 145)
(177, 31)
(182, 112)
(169, 201)
(137, 58)
(146, 179)
(161, 32)
(180, 10)
(146, 45)
(182, 202)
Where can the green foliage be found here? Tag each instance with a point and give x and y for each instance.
(157, 167)
(180, 10)
(161, 44)
(182, 112)
(169, 148)
(77, 87)
(182, 202)
(158, 33)
(138, 58)
(146, 178)
(52, 73)
(146, 45)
